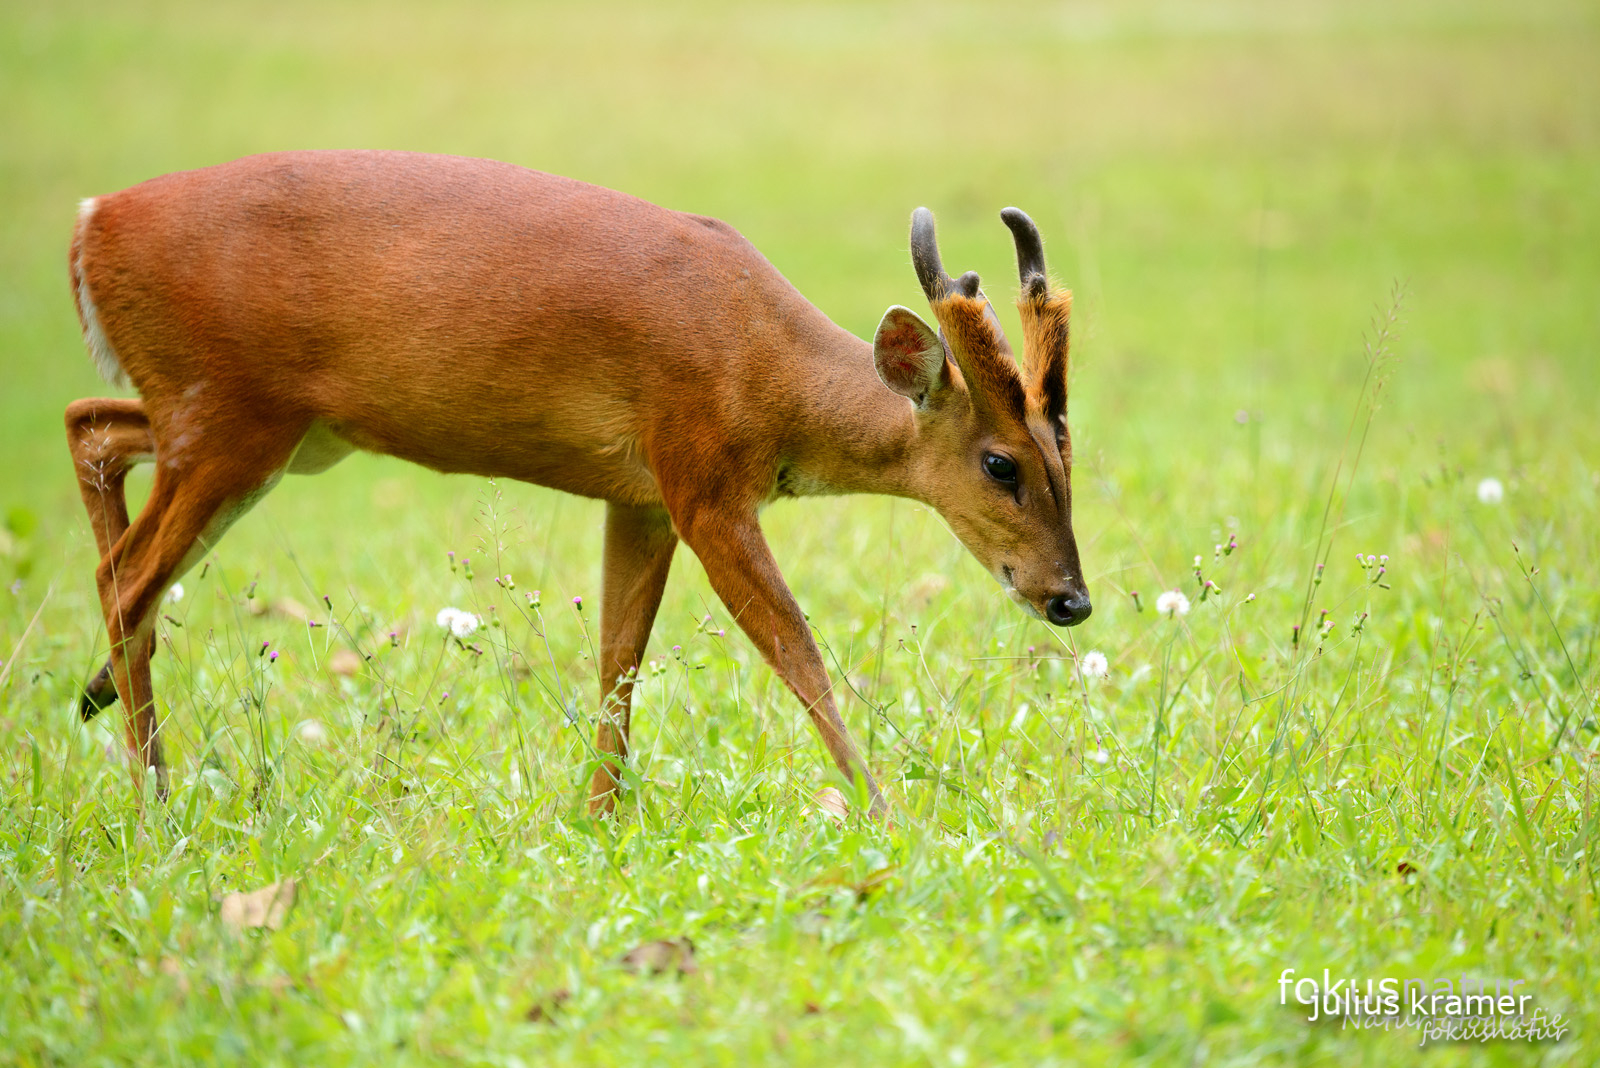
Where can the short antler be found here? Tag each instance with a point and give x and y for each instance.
(938, 286)
(1045, 320)
(1030, 252)
(936, 283)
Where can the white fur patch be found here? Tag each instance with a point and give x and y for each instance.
(319, 450)
(1013, 593)
(94, 336)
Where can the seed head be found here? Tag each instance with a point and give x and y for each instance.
(1094, 665)
(1172, 603)
(459, 623)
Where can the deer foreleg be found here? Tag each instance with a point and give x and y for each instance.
(742, 571)
(638, 555)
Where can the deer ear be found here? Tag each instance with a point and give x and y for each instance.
(909, 355)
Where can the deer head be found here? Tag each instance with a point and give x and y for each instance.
(993, 455)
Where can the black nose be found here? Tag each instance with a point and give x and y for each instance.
(1068, 610)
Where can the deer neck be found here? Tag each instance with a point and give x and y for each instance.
(849, 432)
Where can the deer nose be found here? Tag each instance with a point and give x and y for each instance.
(1068, 610)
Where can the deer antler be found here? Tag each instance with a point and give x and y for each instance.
(939, 287)
(1045, 320)
(1030, 252)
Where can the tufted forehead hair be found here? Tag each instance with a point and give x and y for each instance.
(980, 350)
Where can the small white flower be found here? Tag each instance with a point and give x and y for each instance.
(312, 733)
(461, 624)
(1172, 603)
(175, 594)
(1490, 491)
(1099, 756)
(1094, 665)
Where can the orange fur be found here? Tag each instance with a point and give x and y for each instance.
(981, 353)
(1045, 321)
(473, 316)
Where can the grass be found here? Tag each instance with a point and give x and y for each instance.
(1234, 193)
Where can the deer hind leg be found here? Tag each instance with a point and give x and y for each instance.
(107, 437)
(638, 555)
(193, 501)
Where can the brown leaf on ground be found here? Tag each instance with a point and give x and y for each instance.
(544, 1010)
(925, 589)
(863, 887)
(267, 907)
(170, 967)
(874, 881)
(674, 955)
(346, 662)
(831, 803)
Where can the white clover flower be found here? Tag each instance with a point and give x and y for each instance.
(175, 594)
(461, 624)
(312, 733)
(1491, 491)
(1094, 665)
(1172, 603)
(1099, 756)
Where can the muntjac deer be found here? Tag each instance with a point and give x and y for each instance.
(281, 311)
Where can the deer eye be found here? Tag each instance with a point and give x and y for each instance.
(1000, 468)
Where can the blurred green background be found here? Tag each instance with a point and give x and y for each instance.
(1235, 191)
(1230, 188)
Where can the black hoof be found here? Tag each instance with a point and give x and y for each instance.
(100, 694)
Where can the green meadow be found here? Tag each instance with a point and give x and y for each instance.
(1335, 265)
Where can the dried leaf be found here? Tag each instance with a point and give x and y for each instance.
(873, 882)
(831, 803)
(925, 589)
(863, 887)
(544, 1010)
(172, 968)
(267, 907)
(663, 955)
(346, 662)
